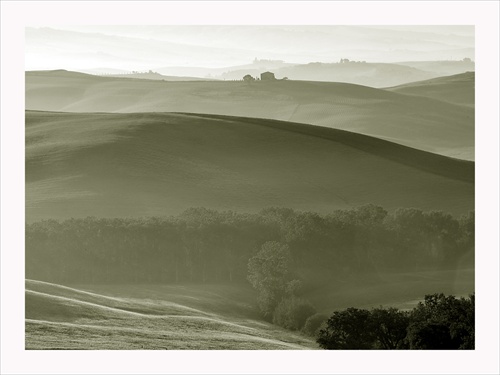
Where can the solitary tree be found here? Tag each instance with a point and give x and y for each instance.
(248, 78)
(269, 273)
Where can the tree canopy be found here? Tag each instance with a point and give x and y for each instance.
(439, 322)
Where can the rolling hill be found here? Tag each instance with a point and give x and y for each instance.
(360, 73)
(421, 122)
(142, 164)
(198, 316)
(150, 317)
(357, 72)
(443, 67)
(157, 77)
(457, 89)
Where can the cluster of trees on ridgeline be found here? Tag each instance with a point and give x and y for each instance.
(202, 245)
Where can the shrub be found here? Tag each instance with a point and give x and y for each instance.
(292, 313)
(314, 323)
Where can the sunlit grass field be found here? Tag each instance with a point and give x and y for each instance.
(199, 317)
(150, 317)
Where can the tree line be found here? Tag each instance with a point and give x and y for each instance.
(208, 246)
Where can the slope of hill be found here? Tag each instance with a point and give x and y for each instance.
(156, 317)
(443, 67)
(141, 164)
(457, 89)
(361, 73)
(256, 67)
(197, 316)
(401, 290)
(357, 72)
(420, 122)
(157, 77)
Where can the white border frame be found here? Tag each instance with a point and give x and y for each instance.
(15, 16)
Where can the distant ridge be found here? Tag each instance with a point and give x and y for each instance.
(146, 75)
(60, 73)
(422, 122)
(157, 77)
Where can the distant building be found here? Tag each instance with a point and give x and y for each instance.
(267, 76)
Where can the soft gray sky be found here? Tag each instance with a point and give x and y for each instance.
(149, 47)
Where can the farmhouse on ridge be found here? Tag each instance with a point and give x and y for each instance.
(267, 76)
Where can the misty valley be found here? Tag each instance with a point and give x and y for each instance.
(301, 266)
(322, 204)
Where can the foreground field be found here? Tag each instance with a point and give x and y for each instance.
(422, 121)
(203, 316)
(149, 317)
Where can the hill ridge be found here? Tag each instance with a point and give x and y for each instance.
(384, 147)
(457, 89)
(422, 122)
(77, 162)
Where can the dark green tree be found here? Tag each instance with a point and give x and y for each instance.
(389, 327)
(347, 329)
(442, 322)
(248, 78)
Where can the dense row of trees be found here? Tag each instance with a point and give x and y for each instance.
(203, 245)
(440, 322)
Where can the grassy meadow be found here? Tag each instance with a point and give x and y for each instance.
(158, 317)
(457, 89)
(163, 164)
(214, 316)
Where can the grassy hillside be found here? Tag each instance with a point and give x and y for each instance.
(361, 73)
(401, 290)
(150, 317)
(143, 164)
(366, 74)
(458, 89)
(189, 316)
(157, 77)
(417, 121)
(442, 68)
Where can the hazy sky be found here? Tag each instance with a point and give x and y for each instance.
(150, 47)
